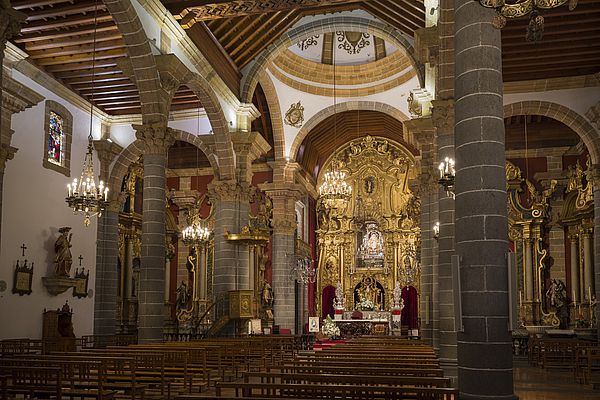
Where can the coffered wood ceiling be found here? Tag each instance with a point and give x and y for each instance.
(58, 36)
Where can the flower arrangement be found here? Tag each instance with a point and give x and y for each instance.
(365, 305)
(330, 329)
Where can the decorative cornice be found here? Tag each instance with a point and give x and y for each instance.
(6, 153)
(156, 138)
(230, 190)
(17, 97)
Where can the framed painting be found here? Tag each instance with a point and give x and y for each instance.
(81, 283)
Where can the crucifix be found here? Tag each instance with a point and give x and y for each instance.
(80, 259)
(23, 248)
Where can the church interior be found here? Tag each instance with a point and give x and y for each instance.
(342, 185)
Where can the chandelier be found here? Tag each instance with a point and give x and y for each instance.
(195, 234)
(83, 195)
(511, 9)
(436, 230)
(447, 172)
(335, 192)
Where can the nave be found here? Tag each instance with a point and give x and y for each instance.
(277, 366)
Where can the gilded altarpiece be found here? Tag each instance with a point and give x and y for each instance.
(372, 241)
(528, 214)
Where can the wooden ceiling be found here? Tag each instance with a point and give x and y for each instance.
(58, 36)
(186, 155)
(332, 132)
(537, 132)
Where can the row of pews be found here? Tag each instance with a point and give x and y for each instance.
(581, 357)
(150, 371)
(363, 368)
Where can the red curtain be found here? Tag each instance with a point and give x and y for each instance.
(327, 301)
(409, 312)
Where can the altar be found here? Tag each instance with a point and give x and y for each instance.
(360, 327)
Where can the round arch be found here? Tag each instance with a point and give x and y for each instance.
(133, 152)
(142, 61)
(223, 143)
(570, 118)
(347, 106)
(275, 112)
(330, 24)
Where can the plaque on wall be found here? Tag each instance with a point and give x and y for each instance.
(81, 283)
(23, 278)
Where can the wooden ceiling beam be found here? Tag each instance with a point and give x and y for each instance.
(107, 26)
(78, 58)
(81, 66)
(190, 15)
(41, 26)
(223, 25)
(269, 37)
(98, 71)
(240, 28)
(262, 29)
(389, 19)
(80, 49)
(73, 41)
(84, 80)
(28, 4)
(510, 45)
(110, 90)
(398, 9)
(103, 99)
(79, 7)
(563, 56)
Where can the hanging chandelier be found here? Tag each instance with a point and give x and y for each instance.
(83, 195)
(447, 174)
(335, 192)
(511, 9)
(195, 234)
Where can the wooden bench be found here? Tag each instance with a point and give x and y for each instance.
(374, 370)
(311, 391)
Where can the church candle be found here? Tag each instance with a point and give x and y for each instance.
(574, 299)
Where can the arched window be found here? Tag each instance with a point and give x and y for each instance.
(58, 132)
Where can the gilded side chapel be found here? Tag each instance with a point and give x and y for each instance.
(426, 171)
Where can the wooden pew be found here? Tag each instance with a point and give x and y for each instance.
(374, 370)
(34, 382)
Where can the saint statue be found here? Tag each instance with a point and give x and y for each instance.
(62, 247)
(183, 296)
(267, 295)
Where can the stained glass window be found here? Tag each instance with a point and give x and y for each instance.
(56, 139)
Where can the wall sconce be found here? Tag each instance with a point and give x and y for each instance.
(447, 176)
(436, 230)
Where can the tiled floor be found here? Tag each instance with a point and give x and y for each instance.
(534, 383)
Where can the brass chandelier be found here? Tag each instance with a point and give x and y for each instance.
(83, 195)
(511, 9)
(335, 192)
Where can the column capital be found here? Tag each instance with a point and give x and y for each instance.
(172, 72)
(427, 43)
(184, 199)
(230, 190)
(284, 171)
(155, 138)
(245, 114)
(442, 115)
(17, 97)
(421, 129)
(284, 197)
(248, 146)
(107, 151)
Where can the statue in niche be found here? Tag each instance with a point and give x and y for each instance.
(556, 300)
(183, 296)
(62, 247)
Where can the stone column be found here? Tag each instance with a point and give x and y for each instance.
(107, 250)
(427, 189)
(155, 140)
(573, 239)
(485, 343)
(443, 118)
(284, 224)
(107, 254)
(588, 266)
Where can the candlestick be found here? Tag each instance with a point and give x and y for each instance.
(590, 294)
(520, 298)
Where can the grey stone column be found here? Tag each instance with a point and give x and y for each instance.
(284, 224)
(443, 117)
(596, 181)
(485, 344)
(156, 141)
(588, 266)
(426, 188)
(107, 254)
(231, 202)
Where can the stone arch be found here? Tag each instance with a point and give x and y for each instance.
(133, 152)
(570, 118)
(275, 111)
(142, 60)
(380, 29)
(223, 143)
(347, 106)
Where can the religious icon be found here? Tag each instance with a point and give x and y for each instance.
(62, 247)
(22, 278)
(369, 185)
(81, 285)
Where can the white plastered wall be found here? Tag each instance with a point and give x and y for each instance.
(33, 210)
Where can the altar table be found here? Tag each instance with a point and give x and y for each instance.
(360, 327)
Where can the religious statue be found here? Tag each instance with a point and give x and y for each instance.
(338, 302)
(556, 300)
(62, 247)
(398, 302)
(183, 296)
(368, 295)
(267, 295)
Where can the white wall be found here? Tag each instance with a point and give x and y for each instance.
(33, 210)
(579, 100)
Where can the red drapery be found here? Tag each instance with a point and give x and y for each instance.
(409, 312)
(327, 301)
